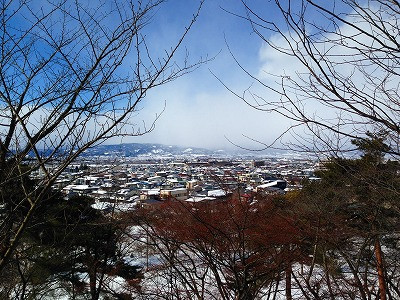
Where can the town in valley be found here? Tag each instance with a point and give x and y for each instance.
(124, 182)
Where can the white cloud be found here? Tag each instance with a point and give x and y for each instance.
(357, 77)
(203, 119)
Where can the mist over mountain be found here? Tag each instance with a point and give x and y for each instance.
(157, 150)
(140, 149)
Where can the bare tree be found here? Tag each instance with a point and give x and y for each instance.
(237, 248)
(72, 74)
(338, 81)
(342, 69)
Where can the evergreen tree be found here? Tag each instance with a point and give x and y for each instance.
(77, 244)
(356, 200)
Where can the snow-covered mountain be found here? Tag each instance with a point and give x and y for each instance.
(152, 150)
(143, 150)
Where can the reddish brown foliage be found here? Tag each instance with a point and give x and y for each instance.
(251, 240)
(259, 222)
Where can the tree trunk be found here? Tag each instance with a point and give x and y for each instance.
(288, 282)
(380, 269)
(93, 284)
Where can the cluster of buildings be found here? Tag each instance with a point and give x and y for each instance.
(131, 183)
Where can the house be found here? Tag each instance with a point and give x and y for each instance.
(79, 189)
(177, 194)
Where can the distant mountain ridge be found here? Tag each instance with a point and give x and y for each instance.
(154, 150)
(145, 149)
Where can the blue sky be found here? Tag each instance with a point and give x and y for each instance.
(200, 111)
